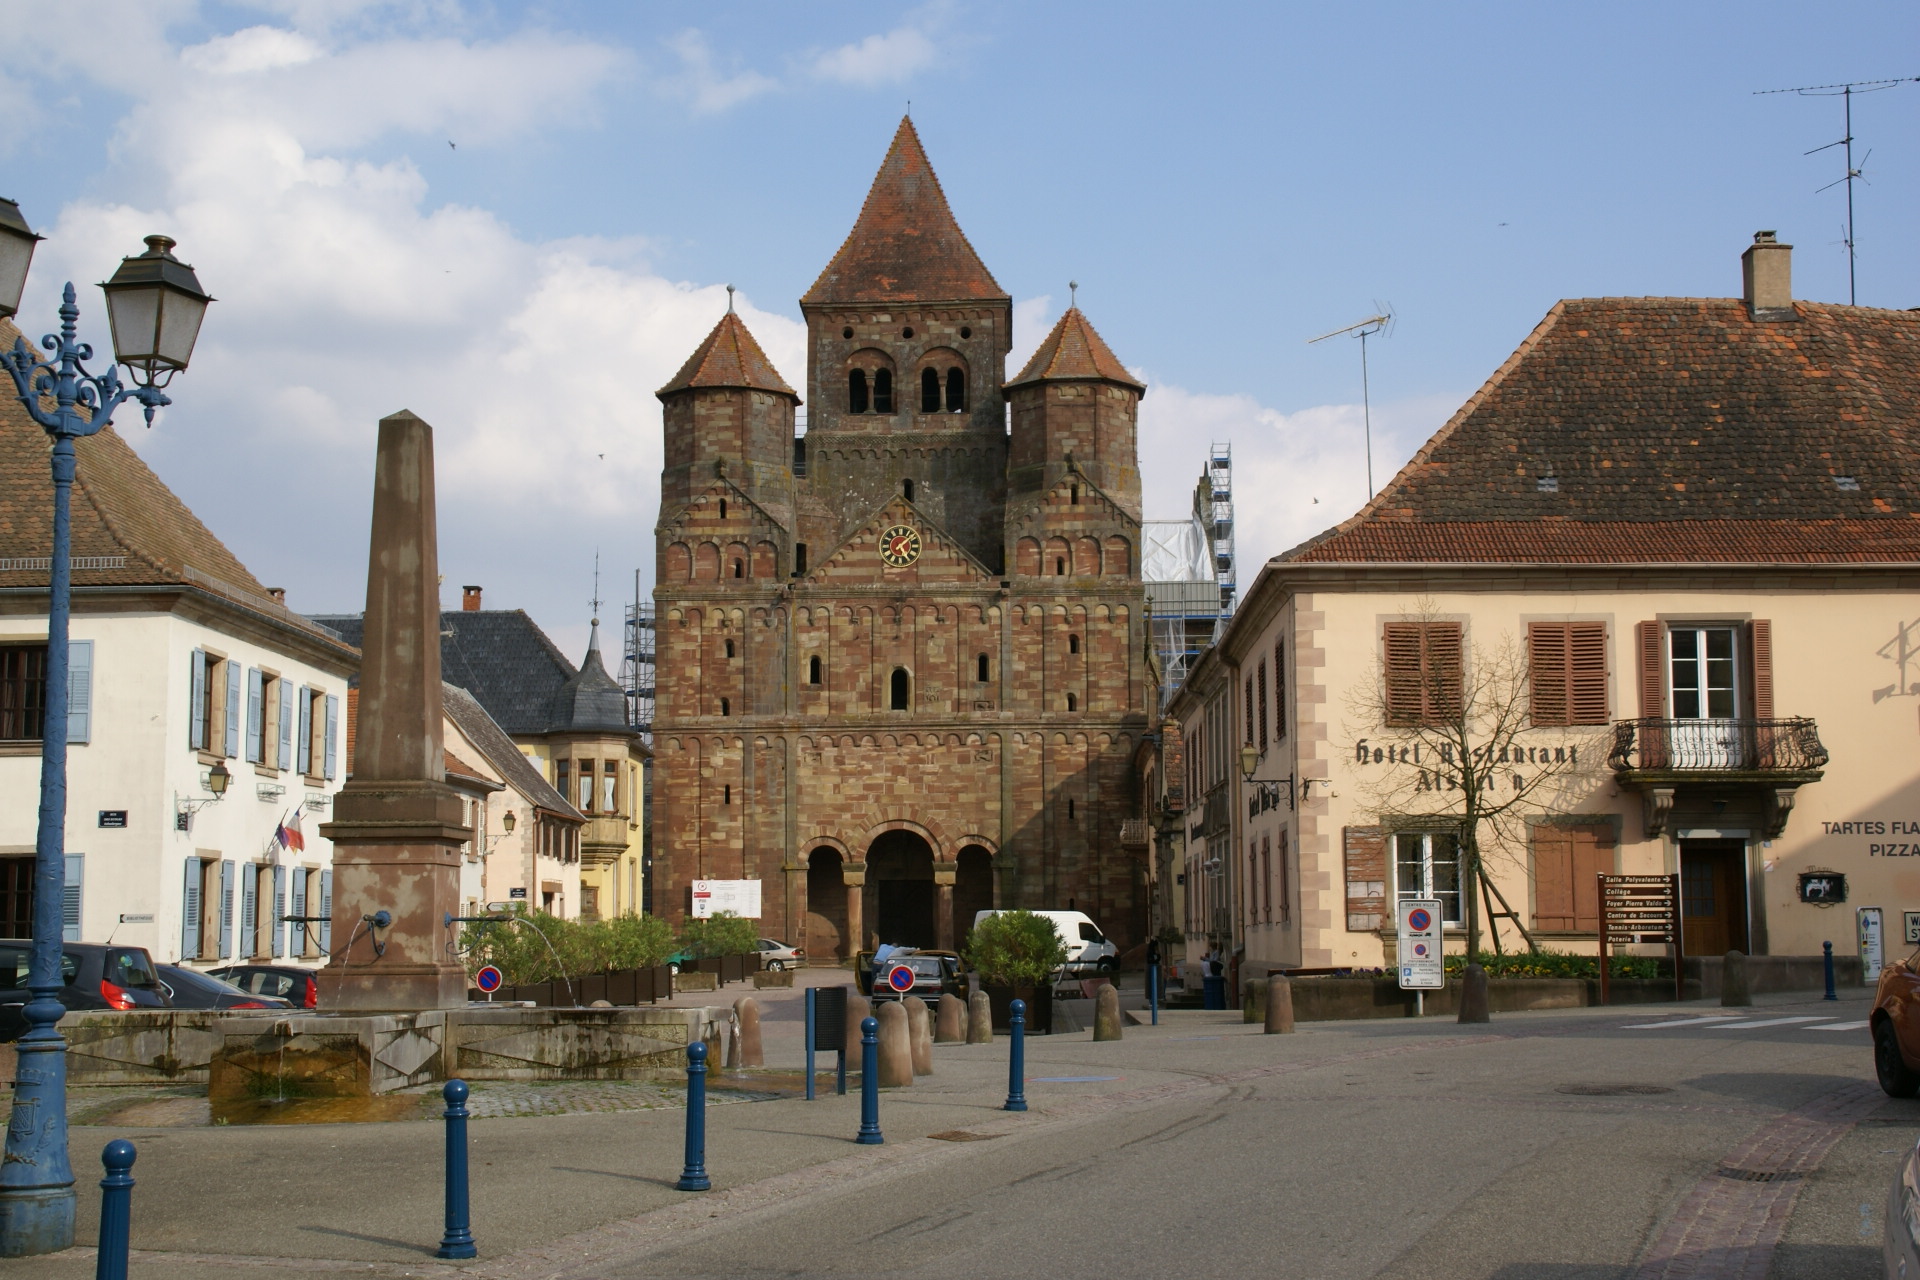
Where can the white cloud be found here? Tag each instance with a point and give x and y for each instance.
(702, 85)
(254, 49)
(888, 57)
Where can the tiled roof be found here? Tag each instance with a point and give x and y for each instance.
(1074, 350)
(500, 656)
(591, 701)
(129, 529)
(1662, 430)
(491, 741)
(728, 358)
(905, 246)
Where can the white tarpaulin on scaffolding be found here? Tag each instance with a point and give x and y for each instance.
(1176, 551)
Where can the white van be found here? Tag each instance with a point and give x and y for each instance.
(1088, 950)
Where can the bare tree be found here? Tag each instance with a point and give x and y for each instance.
(1455, 720)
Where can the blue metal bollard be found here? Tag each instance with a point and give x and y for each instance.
(1826, 956)
(869, 1135)
(694, 1176)
(1017, 1063)
(813, 1014)
(1153, 992)
(116, 1211)
(458, 1240)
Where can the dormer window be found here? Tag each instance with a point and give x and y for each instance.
(1846, 484)
(1547, 484)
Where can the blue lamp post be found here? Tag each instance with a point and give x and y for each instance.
(155, 306)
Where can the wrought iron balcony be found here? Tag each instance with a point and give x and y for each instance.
(1717, 747)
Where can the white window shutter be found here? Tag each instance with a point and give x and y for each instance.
(70, 900)
(303, 741)
(190, 912)
(197, 713)
(232, 744)
(277, 931)
(297, 933)
(256, 714)
(326, 913)
(285, 759)
(79, 691)
(225, 907)
(333, 735)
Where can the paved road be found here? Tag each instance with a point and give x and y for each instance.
(1602, 1143)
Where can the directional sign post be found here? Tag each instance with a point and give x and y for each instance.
(1423, 965)
(1638, 909)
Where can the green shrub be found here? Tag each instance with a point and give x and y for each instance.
(723, 935)
(1557, 964)
(537, 947)
(1015, 949)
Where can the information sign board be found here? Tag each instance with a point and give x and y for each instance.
(1871, 925)
(1422, 958)
(734, 897)
(1636, 910)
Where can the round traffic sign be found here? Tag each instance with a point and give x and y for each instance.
(1420, 948)
(900, 978)
(488, 979)
(1419, 919)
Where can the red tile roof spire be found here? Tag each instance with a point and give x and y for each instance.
(729, 358)
(1074, 350)
(906, 246)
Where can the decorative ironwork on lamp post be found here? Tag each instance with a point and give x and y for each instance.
(154, 305)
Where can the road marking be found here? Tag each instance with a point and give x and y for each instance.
(1685, 1022)
(1069, 1079)
(1768, 1022)
(1838, 1026)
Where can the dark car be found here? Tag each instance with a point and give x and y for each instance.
(192, 990)
(92, 976)
(935, 973)
(295, 985)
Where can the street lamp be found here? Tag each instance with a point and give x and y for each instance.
(156, 306)
(1267, 793)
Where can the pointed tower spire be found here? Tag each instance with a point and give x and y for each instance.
(906, 245)
(1075, 351)
(729, 357)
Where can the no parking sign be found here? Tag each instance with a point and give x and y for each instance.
(488, 979)
(900, 978)
(1422, 956)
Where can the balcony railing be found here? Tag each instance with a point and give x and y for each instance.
(1133, 833)
(1716, 746)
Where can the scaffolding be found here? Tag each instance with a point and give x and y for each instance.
(636, 662)
(1220, 485)
(1188, 569)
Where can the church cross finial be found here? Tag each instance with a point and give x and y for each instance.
(1073, 293)
(729, 299)
(596, 584)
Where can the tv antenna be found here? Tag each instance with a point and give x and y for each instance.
(596, 567)
(1845, 93)
(1380, 320)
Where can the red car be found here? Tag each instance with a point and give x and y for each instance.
(1896, 1028)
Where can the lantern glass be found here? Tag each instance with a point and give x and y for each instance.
(507, 822)
(155, 305)
(16, 255)
(1249, 761)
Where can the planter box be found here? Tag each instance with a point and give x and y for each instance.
(697, 980)
(1039, 1007)
(769, 979)
(1330, 999)
(622, 987)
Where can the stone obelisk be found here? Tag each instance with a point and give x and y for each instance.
(397, 826)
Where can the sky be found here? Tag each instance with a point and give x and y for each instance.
(517, 220)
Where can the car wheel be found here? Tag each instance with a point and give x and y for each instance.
(1896, 1077)
(1107, 966)
(776, 966)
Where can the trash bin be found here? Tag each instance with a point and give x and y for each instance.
(1213, 992)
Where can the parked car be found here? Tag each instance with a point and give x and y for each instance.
(1088, 950)
(776, 956)
(1895, 1022)
(935, 973)
(1900, 1234)
(288, 982)
(92, 976)
(190, 989)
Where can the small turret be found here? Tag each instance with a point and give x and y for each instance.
(1075, 407)
(728, 410)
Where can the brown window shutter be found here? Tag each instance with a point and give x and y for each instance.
(1444, 670)
(1366, 859)
(1279, 690)
(1587, 673)
(1547, 672)
(1249, 710)
(1404, 651)
(1653, 684)
(1553, 899)
(1592, 858)
(1262, 672)
(1760, 634)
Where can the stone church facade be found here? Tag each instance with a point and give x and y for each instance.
(903, 657)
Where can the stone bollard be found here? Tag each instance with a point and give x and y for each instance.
(1279, 1005)
(859, 1009)
(746, 1014)
(1106, 1013)
(979, 1018)
(116, 1211)
(1736, 992)
(920, 1034)
(950, 1024)
(1473, 995)
(896, 1045)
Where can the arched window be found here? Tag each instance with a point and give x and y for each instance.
(799, 559)
(956, 391)
(883, 391)
(1073, 645)
(857, 391)
(1073, 495)
(983, 672)
(929, 391)
(727, 794)
(726, 708)
(900, 689)
(729, 648)
(723, 508)
(1073, 703)
(906, 490)
(1069, 811)
(739, 568)
(813, 669)
(1059, 566)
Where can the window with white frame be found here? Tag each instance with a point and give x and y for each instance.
(1426, 864)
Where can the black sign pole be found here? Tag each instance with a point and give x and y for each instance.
(1606, 925)
(1679, 946)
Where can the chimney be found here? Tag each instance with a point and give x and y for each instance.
(470, 599)
(1766, 275)
(279, 594)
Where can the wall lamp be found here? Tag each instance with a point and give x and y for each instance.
(1266, 791)
(183, 809)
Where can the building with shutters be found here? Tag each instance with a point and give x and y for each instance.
(1688, 530)
(181, 662)
(904, 662)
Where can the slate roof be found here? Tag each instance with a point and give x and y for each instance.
(491, 741)
(500, 656)
(1668, 430)
(906, 245)
(129, 529)
(591, 701)
(729, 357)
(1075, 351)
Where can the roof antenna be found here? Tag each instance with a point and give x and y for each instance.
(729, 299)
(596, 586)
(1381, 319)
(1845, 93)
(1073, 293)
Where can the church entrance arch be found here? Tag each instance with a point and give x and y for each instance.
(826, 906)
(972, 890)
(900, 871)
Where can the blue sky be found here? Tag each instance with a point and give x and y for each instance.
(1224, 182)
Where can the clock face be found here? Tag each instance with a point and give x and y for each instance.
(900, 545)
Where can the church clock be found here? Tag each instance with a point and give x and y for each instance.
(900, 545)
